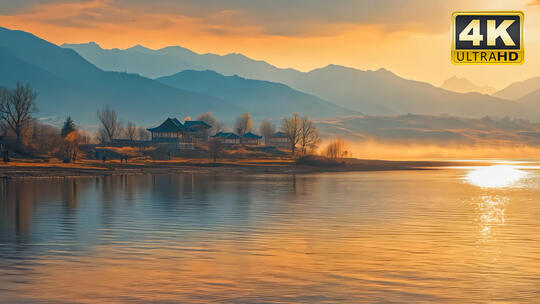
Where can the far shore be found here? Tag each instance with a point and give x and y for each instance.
(27, 168)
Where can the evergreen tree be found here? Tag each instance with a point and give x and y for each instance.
(68, 127)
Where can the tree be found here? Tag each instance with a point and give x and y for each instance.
(69, 126)
(131, 131)
(110, 126)
(209, 118)
(70, 146)
(243, 124)
(267, 130)
(143, 134)
(16, 108)
(309, 137)
(291, 127)
(215, 147)
(42, 139)
(337, 149)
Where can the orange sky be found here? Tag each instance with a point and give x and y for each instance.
(411, 38)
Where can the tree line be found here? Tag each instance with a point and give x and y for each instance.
(17, 107)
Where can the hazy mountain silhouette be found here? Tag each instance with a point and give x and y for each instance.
(428, 129)
(266, 99)
(373, 92)
(531, 100)
(520, 89)
(383, 92)
(464, 85)
(70, 85)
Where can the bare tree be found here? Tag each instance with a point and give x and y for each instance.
(267, 130)
(131, 131)
(143, 134)
(209, 118)
(215, 148)
(337, 149)
(309, 135)
(243, 124)
(16, 108)
(43, 139)
(291, 127)
(110, 125)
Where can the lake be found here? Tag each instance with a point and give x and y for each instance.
(456, 235)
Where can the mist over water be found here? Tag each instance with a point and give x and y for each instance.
(413, 150)
(453, 235)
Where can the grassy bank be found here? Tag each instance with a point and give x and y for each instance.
(20, 168)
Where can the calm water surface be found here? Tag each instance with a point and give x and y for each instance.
(461, 235)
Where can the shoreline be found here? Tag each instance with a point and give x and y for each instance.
(88, 168)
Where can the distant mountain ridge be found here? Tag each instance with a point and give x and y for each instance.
(519, 90)
(70, 85)
(372, 92)
(463, 85)
(265, 97)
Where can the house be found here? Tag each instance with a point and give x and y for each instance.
(227, 138)
(173, 131)
(197, 130)
(278, 140)
(250, 139)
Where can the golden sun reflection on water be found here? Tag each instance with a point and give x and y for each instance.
(497, 176)
(491, 213)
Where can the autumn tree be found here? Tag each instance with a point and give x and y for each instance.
(209, 118)
(16, 109)
(243, 124)
(337, 149)
(110, 125)
(131, 131)
(291, 127)
(215, 148)
(309, 137)
(266, 129)
(70, 146)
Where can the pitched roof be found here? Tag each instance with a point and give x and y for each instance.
(191, 123)
(169, 125)
(227, 135)
(251, 136)
(279, 135)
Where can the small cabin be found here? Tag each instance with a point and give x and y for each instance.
(173, 131)
(279, 140)
(251, 139)
(227, 138)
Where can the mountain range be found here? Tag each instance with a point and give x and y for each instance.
(463, 85)
(379, 92)
(520, 90)
(147, 85)
(263, 98)
(68, 84)
(439, 130)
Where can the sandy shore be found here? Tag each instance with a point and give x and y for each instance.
(33, 168)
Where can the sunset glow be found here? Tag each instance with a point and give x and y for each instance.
(497, 176)
(298, 35)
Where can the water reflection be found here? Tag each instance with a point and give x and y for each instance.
(345, 237)
(497, 176)
(490, 214)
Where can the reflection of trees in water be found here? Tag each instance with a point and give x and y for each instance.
(83, 210)
(23, 198)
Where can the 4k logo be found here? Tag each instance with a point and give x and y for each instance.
(487, 38)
